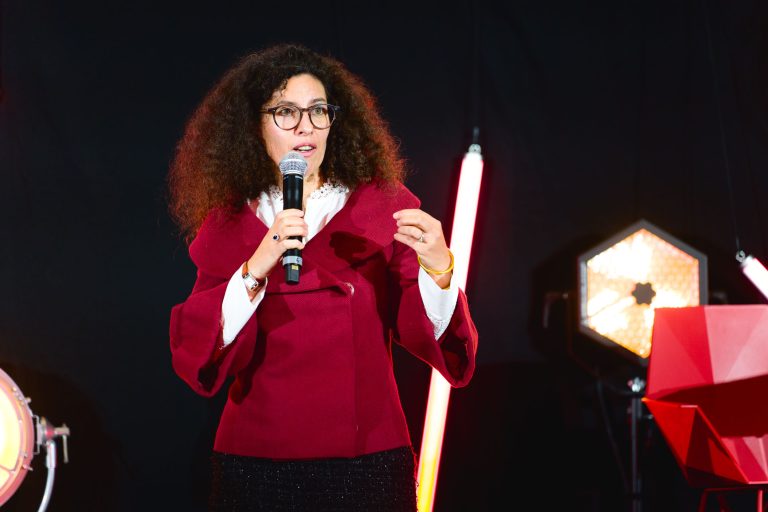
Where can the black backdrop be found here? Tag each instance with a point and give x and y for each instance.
(592, 115)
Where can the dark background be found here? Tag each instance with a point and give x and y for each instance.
(592, 115)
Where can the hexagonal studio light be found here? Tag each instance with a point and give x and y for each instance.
(625, 278)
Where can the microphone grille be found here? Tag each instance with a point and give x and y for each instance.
(293, 163)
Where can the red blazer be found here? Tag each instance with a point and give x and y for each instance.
(312, 367)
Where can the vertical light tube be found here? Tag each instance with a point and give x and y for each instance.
(756, 273)
(464, 215)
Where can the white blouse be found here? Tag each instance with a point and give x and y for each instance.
(322, 205)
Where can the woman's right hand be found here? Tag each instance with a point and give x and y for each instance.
(287, 223)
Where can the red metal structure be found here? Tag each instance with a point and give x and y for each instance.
(706, 386)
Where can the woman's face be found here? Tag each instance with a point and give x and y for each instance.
(300, 91)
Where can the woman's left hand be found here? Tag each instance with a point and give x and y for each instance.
(424, 234)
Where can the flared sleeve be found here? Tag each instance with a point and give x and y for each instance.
(453, 353)
(198, 352)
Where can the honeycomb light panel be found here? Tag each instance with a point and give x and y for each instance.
(623, 280)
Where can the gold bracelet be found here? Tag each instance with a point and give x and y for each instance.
(437, 272)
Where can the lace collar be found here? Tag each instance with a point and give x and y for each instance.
(326, 189)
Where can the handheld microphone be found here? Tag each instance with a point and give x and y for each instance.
(292, 167)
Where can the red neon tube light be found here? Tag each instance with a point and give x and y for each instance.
(464, 215)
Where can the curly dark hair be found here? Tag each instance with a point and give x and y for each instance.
(221, 160)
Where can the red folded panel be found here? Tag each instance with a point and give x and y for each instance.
(707, 379)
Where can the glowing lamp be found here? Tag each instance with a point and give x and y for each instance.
(624, 279)
(17, 437)
(21, 436)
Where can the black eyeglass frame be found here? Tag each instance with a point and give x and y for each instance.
(332, 110)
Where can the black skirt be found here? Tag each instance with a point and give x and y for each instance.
(378, 482)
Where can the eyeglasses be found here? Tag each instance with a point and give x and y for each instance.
(288, 117)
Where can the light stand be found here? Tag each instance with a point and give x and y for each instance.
(46, 435)
(637, 389)
(633, 483)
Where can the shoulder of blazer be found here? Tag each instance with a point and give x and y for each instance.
(225, 240)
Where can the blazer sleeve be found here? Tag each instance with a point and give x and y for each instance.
(198, 353)
(453, 354)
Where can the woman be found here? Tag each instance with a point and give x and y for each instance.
(313, 419)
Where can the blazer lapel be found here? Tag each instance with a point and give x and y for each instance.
(359, 230)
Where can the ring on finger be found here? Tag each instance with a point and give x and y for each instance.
(276, 237)
(421, 238)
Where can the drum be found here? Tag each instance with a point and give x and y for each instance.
(17, 437)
